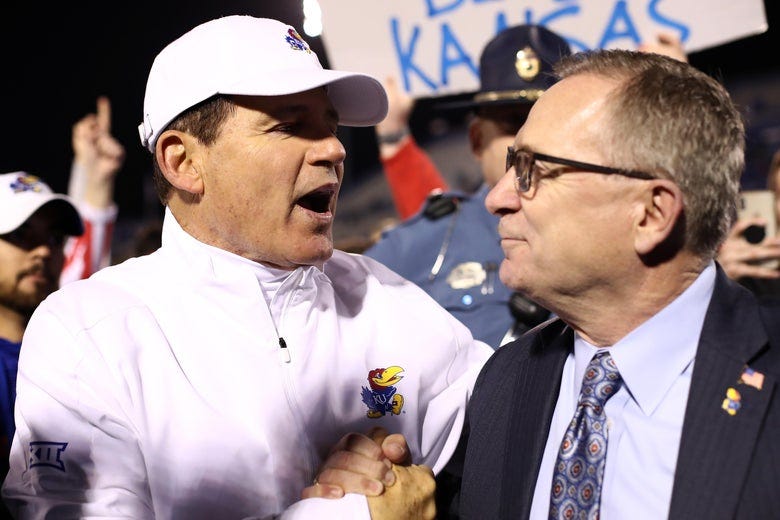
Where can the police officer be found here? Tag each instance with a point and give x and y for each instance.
(451, 248)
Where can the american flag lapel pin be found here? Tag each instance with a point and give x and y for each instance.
(752, 378)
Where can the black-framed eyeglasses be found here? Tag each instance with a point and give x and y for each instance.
(525, 162)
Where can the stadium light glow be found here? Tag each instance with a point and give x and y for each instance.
(312, 18)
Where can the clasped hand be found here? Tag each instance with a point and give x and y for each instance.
(377, 465)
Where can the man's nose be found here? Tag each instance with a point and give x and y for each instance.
(330, 150)
(503, 197)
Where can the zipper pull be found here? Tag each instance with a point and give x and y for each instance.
(284, 353)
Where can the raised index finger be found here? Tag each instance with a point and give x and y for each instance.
(104, 114)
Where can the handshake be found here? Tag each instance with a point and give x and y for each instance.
(377, 465)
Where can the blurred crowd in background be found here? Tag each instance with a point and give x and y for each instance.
(60, 61)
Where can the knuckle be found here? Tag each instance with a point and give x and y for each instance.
(371, 487)
(311, 492)
(353, 439)
(365, 446)
(326, 476)
(339, 459)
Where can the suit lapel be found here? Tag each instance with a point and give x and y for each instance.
(716, 447)
(535, 395)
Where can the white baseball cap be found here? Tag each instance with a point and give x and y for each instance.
(244, 55)
(22, 194)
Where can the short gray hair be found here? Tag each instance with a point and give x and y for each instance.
(204, 121)
(673, 120)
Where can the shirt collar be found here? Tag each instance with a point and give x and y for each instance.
(654, 354)
(215, 261)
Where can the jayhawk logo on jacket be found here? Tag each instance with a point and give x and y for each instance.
(381, 396)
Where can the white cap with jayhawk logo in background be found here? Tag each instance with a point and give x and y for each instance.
(244, 55)
(22, 194)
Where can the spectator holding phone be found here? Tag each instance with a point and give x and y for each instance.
(745, 261)
(752, 263)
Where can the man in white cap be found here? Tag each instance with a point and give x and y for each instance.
(211, 378)
(47, 240)
(34, 223)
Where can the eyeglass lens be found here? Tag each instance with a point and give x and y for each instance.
(523, 162)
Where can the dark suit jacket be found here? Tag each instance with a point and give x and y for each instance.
(728, 466)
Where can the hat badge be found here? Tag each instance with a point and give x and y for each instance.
(26, 183)
(295, 41)
(527, 64)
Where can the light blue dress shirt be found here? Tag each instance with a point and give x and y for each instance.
(645, 417)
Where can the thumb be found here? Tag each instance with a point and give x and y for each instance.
(396, 449)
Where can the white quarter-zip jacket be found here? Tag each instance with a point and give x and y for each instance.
(159, 388)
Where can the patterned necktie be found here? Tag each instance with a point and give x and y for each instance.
(576, 485)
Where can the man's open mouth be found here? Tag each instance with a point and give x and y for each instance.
(319, 200)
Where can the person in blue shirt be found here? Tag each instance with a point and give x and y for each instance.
(451, 247)
(34, 223)
(48, 239)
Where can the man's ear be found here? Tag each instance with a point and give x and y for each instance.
(176, 153)
(659, 218)
(476, 137)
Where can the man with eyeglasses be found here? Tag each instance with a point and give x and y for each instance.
(653, 394)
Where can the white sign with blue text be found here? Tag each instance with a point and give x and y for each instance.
(433, 46)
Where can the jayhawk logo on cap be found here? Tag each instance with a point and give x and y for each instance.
(527, 63)
(380, 396)
(27, 183)
(295, 41)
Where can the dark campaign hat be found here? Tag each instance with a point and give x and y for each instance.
(516, 66)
